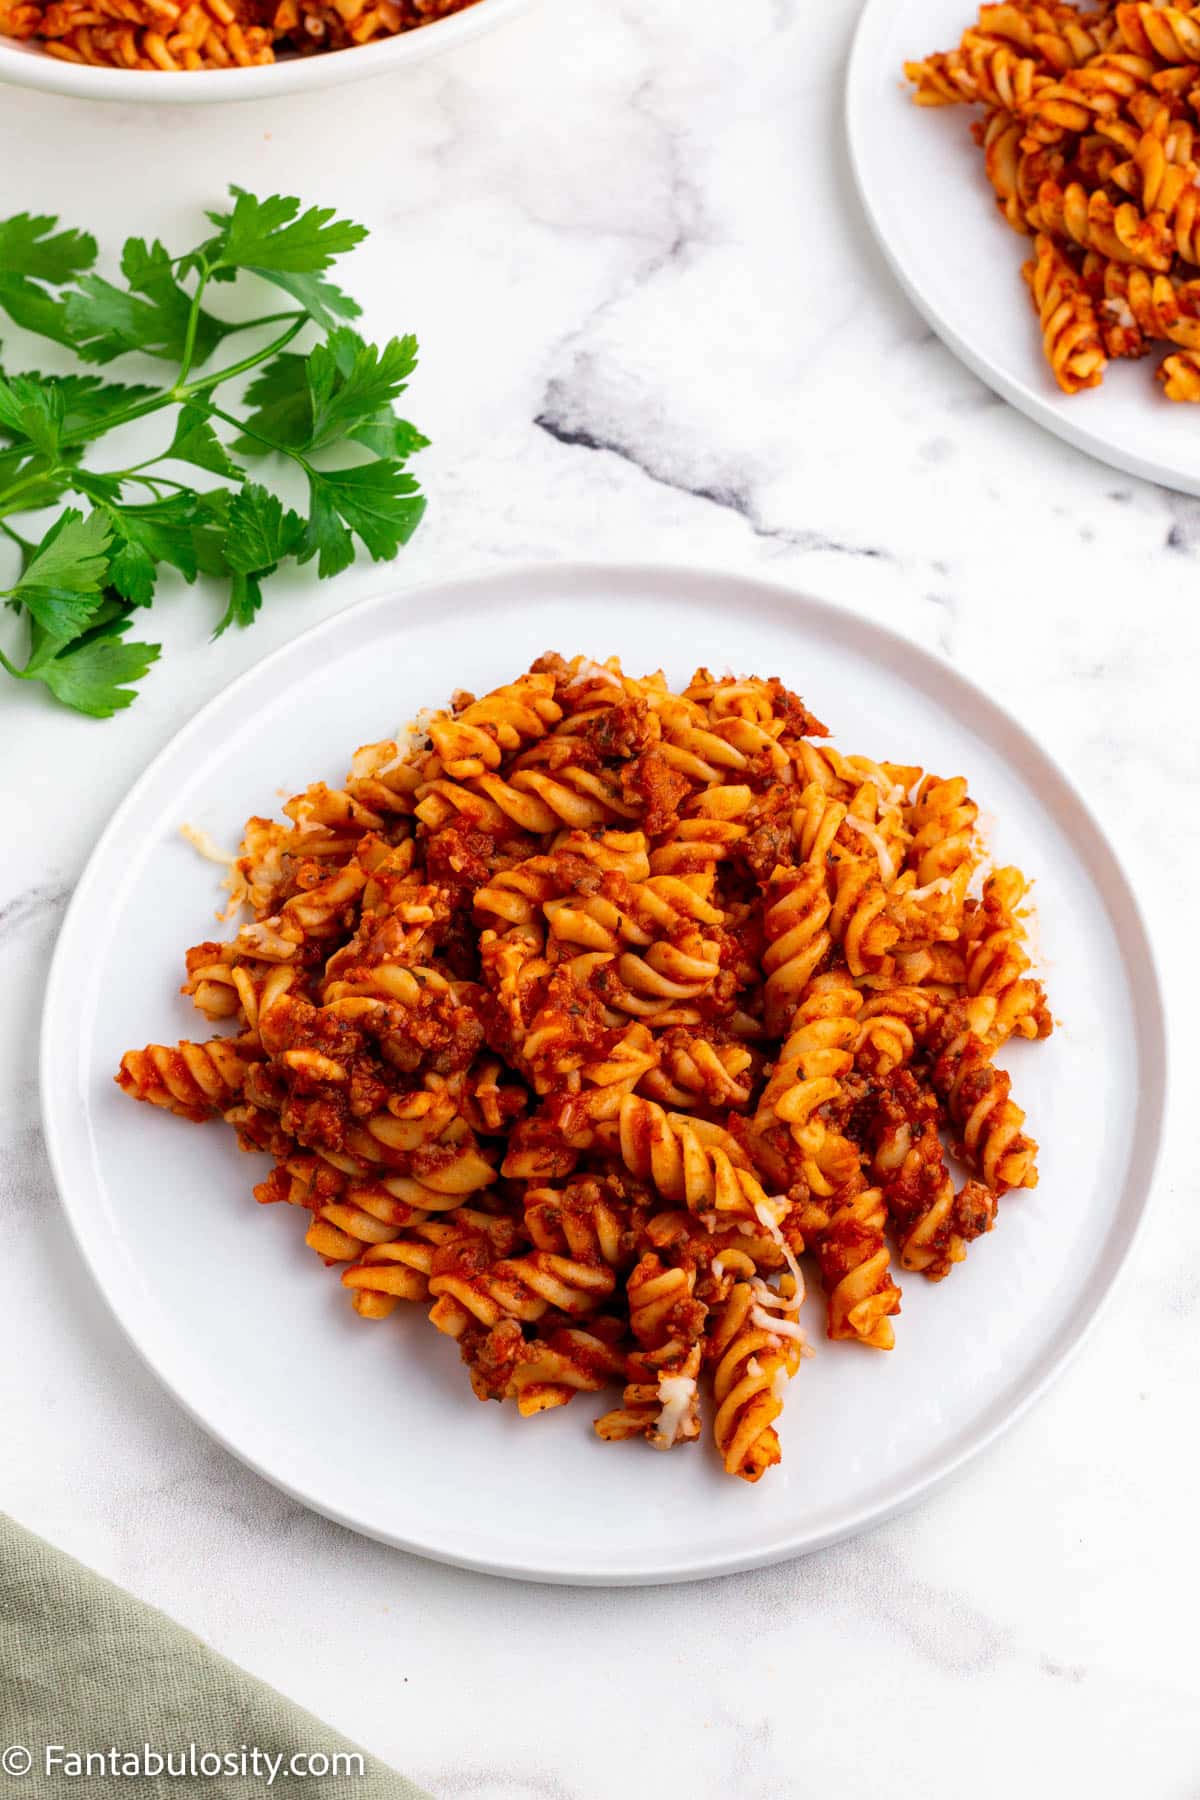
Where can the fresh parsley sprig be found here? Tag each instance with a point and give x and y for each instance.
(329, 410)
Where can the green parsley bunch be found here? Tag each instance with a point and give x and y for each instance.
(79, 587)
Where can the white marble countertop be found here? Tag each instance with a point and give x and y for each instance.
(653, 326)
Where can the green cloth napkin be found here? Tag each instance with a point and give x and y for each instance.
(86, 1667)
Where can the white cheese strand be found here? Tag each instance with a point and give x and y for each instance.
(677, 1395)
(591, 671)
(887, 868)
(767, 1308)
(941, 886)
(788, 1328)
(207, 846)
(770, 1224)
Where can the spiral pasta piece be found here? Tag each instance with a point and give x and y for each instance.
(860, 922)
(1166, 32)
(979, 1099)
(1094, 222)
(1179, 374)
(943, 846)
(1003, 152)
(1097, 91)
(194, 1080)
(1061, 37)
(542, 1372)
(983, 69)
(660, 1401)
(468, 1284)
(891, 1026)
(348, 1215)
(1135, 307)
(931, 1222)
(795, 923)
(818, 1051)
(855, 1265)
(751, 1365)
(477, 737)
(398, 1268)
(662, 1405)
(689, 1161)
(1070, 338)
(997, 962)
(589, 1219)
(694, 1071)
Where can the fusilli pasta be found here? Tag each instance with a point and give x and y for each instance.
(581, 1020)
(1089, 143)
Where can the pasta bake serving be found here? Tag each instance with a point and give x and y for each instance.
(588, 1013)
(1090, 142)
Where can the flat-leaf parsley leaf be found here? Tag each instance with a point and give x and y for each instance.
(76, 589)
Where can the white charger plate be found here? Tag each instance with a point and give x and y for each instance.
(929, 203)
(374, 1424)
(28, 65)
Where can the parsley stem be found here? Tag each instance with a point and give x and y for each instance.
(267, 319)
(266, 442)
(139, 410)
(134, 472)
(186, 391)
(189, 336)
(174, 395)
(154, 482)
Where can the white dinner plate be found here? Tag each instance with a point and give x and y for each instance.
(373, 1423)
(27, 64)
(921, 179)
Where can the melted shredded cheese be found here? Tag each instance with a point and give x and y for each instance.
(942, 885)
(766, 1296)
(676, 1394)
(410, 739)
(770, 1225)
(207, 846)
(789, 1328)
(887, 868)
(591, 671)
(769, 1306)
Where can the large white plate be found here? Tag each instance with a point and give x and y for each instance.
(374, 1423)
(922, 183)
(28, 65)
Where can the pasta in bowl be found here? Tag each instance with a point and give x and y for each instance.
(592, 1011)
(225, 49)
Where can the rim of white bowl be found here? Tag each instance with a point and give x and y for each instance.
(27, 65)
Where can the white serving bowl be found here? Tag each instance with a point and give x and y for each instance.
(27, 65)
